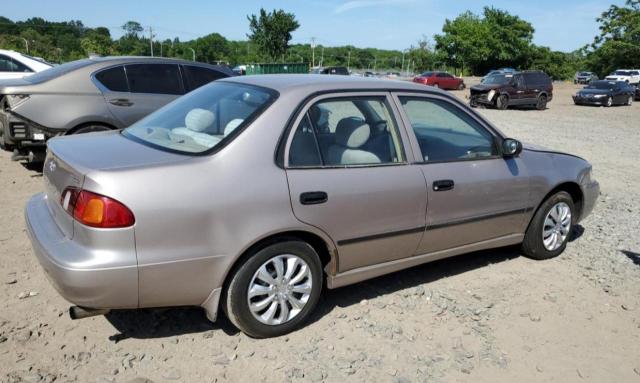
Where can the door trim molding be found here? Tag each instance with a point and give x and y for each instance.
(365, 238)
(368, 272)
(479, 218)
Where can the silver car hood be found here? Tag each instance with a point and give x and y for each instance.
(108, 151)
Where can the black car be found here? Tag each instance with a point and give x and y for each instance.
(526, 88)
(637, 92)
(606, 93)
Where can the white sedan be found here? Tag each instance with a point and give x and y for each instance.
(17, 65)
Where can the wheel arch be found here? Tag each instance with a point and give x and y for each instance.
(570, 187)
(323, 247)
(84, 124)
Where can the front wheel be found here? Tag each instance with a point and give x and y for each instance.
(274, 291)
(630, 101)
(548, 232)
(436, 85)
(502, 102)
(461, 86)
(609, 101)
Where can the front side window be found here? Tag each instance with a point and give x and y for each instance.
(446, 133)
(346, 132)
(113, 79)
(154, 78)
(196, 76)
(203, 119)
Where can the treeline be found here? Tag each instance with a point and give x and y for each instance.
(470, 44)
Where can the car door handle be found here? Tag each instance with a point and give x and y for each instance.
(313, 198)
(120, 102)
(442, 185)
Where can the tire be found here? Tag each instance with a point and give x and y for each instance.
(609, 102)
(461, 86)
(436, 85)
(630, 101)
(541, 103)
(90, 129)
(236, 297)
(502, 102)
(534, 245)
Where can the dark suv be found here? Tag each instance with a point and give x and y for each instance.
(528, 88)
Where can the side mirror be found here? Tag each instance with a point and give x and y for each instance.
(511, 147)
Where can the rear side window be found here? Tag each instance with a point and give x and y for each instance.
(154, 78)
(195, 76)
(113, 79)
(7, 64)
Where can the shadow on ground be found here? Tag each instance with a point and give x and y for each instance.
(634, 257)
(161, 323)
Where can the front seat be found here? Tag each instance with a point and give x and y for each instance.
(351, 135)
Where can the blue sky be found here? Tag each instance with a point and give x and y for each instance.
(390, 24)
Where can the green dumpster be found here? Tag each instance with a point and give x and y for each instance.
(277, 68)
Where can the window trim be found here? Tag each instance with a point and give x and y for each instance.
(302, 110)
(493, 132)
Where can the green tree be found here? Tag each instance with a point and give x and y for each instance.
(132, 29)
(271, 32)
(618, 44)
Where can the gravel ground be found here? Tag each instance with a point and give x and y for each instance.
(492, 316)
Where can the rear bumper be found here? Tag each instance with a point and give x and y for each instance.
(82, 275)
(21, 134)
(590, 192)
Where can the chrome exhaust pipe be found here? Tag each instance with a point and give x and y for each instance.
(77, 312)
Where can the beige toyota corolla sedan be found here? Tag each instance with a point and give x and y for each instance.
(250, 194)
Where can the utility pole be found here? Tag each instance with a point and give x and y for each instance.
(151, 40)
(322, 57)
(348, 61)
(402, 68)
(375, 61)
(26, 42)
(313, 52)
(193, 54)
(161, 43)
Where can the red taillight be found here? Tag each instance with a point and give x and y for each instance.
(95, 210)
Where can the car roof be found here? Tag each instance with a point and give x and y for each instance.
(319, 83)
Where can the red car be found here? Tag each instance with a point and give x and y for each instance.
(440, 80)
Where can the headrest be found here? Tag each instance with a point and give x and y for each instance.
(199, 119)
(232, 125)
(352, 132)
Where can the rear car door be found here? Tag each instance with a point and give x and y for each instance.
(474, 194)
(149, 86)
(355, 183)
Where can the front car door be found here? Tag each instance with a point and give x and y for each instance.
(474, 194)
(149, 87)
(348, 175)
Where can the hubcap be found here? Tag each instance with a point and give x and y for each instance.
(556, 226)
(280, 289)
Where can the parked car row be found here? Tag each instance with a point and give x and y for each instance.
(92, 95)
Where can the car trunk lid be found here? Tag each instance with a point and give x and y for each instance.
(70, 159)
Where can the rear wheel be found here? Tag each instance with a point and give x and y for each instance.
(541, 103)
(90, 129)
(274, 291)
(549, 230)
(502, 102)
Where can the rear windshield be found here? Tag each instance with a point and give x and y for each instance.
(56, 71)
(427, 74)
(203, 119)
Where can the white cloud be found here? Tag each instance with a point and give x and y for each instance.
(355, 4)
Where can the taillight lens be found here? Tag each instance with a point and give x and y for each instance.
(95, 210)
